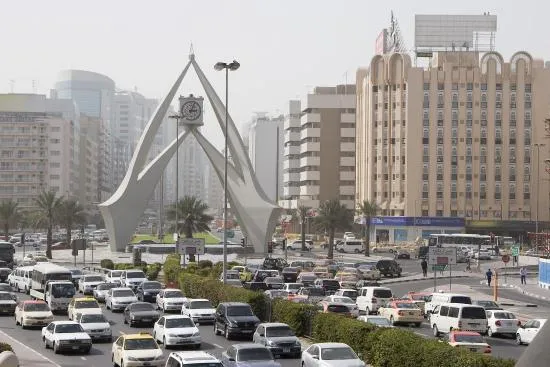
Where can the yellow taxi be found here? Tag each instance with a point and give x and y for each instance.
(86, 305)
(137, 350)
(402, 312)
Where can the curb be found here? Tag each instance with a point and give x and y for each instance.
(392, 281)
(529, 294)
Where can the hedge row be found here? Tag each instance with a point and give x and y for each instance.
(392, 347)
(5, 347)
(298, 316)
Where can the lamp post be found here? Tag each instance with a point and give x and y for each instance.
(177, 118)
(537, 146)
(227, 66)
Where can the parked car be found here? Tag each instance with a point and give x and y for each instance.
(501, 323)
(278, 338)
(235, 318)
(140, 313)
(248, 354)
(389, 268)
(469, 340)
(66, 335)
(177, 330)
(330, 355)
(527, 332)
(147, 291)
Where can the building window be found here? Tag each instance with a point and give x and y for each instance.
(439, 213)
(426, 86)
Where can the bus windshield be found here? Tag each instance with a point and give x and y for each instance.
(63, 290)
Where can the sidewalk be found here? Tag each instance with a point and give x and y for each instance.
(27, 356)
(530, 289)
(417, 277)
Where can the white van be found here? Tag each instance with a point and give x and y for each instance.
(437, 299)
(456, 316)
(22, 278)
(350, 245)
(370, 299)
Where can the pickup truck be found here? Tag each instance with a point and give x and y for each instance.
(57, 294)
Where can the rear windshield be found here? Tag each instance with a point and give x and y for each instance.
(504, 315)
(332, 283)
(473, 313)
(382, 293)
(337, 308)
(316, 291)
(466, 338)
(461, 299)
(135, 274)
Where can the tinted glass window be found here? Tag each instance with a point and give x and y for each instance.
(337, 308)
(331, 283)
(382, 293)
(473, 313)
(337, 353)
(40, 307)
(152, 285)
(453, 312)
(504, 315)
(444, 311)
(239, 311)
(142, 307)
(461, 299)
(135, 274)
(254, 354)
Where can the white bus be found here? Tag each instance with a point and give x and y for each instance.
(45, 272)
(459, 240)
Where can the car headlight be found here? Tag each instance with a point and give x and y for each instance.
(297, 342)
(232, 324)
(270, 343)
(196, 333)
(132, 316)
(132, 358)
(171, 335)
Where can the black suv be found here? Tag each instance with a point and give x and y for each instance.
(272, 263)
(330, 286)
(235, 318)
(148, 290)
(389, 268)
(290, 274)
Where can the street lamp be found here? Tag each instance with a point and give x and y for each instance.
(537, 145)
(219, 67)
(177, 118)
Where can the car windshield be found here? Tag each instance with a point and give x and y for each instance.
(152, 285)
(466, 338)
(254, 354)
(308, 277)
(316, 291)
(343, 300)
(278, 331)
(329, 354)
(179, 322)
(76, 272)
(141, 307)
(239, 311)
(68, 328)
(473, 313)
(173, 294)
(195, 305)
(106, 286)
(290, 270)
(379, 321)
(38, 307)
(382, 293)
(93, 279)
(92, 318)
(294, 286)
(350, 293)
(407, 305)
(135, 274)
(419, 297)
(5, 287)
(274, 280)
(461, 299)
(86, 304)
(116, 274)
(504, 315)
(330, 283)
(6, 297)
(63, 290)
(337, 308)
(138, 344)
(348, 278)
(123, 293)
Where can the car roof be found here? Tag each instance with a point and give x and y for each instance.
(273, 324)
(176, 317)
(331, 345)
(248, 346)
(172, 289)
(138, 336)
(193, 356)
(65, 322)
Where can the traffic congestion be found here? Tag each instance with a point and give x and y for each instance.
(119, 317)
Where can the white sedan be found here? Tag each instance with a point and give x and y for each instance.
(330, 355)
(96, 325)
(526, 333)
(502, 322)
(170, 299)
(66, 336)
(200, 310)
(88, 283)
(176, 330)
(118, 298)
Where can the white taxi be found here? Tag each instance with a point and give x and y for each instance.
(66, 336)
(136, 350)
(177, 330)
(170, 299)
(82, 305)
(33, 313)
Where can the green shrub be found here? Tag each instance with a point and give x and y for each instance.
(153, 271)
(328, 327)
(107, 264)
(5, 347)
(205, 264)
(172, 267)
(124, 266)
(297, 315)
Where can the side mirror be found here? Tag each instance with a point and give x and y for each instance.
(230, 359)
(315, 357)
(261, 334)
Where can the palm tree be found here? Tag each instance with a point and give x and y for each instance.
(333, 216)
(301, 212)
(48, 203)
(9, 215)
(192, 217)
(368, 210)
(70, 212)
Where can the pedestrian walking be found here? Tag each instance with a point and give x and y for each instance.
(468, 265)
(489, 275)
(523, 275)
(424, 266)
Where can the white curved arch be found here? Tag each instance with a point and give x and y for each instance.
(521, 55)
(492, 56)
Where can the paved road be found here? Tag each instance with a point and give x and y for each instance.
(502, 347)
(100, 355)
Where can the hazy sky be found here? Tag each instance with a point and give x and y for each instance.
(285, 47)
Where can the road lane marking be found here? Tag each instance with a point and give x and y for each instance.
(122, 332)
(30, 349)
(218, 346)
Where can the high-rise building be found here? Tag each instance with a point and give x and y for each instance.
(327, 148)
(40, 143)
(459, 138)
(89, 190)
(265, 149)
(291, 154)
(214, 190)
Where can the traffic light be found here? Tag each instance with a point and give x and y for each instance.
(492, 237)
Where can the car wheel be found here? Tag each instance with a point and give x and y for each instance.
(155, 336)
(490, 332)
(435, 331)
(392, 321)
(226, 333)
(164, 342)
(55, 348)
(367, 311)
(87, 350)
(16, 322)
(356, 251)
(45, 342)
(216, 331)
(518, 339)
(21, 323)
(418, 324)
(197, 346)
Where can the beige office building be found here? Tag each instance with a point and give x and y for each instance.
(456, 139)
(319, 148)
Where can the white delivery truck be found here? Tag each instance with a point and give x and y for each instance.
(52, 284)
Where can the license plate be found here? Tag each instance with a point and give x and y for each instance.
(146, 363)
(473, 350)
(247, 331)
(473, 324)
(286, 350)
(146, 320)
(75, 347)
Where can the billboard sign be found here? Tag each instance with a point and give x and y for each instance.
(441, 255)
(191, 246)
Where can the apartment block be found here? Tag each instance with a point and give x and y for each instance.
(459, 138)
(319, 148)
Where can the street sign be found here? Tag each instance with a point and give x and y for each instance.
(230, 233)
(515, 251)
(441, 255)
(505, 258)
(439, 267)
(191, 246)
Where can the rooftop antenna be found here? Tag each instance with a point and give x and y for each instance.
(191, 51)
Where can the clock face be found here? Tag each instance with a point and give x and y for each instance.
(191, 110)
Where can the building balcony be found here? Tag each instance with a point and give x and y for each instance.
(291, 163)
(347, 118)
(347, 175)
(309, 190)
(347, 147)
(291, 150)
(310, 118)
(312, 132)
(347, 161)
(291, 177)
(310, 147)
(310, 161)
(291, 191)
(347, 190)
(310, 176)
(291, 135)
(347, 132)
